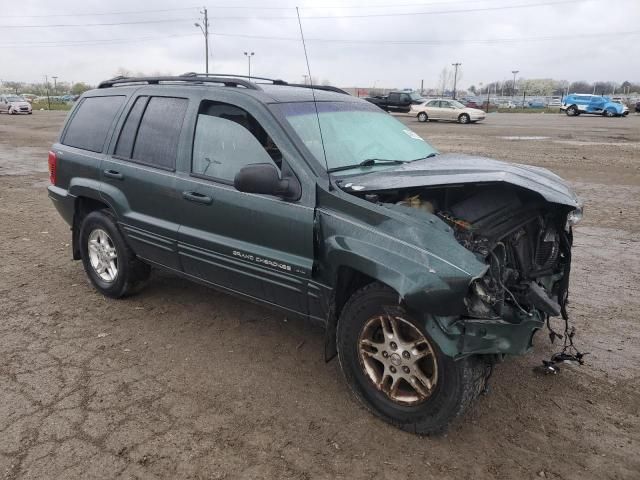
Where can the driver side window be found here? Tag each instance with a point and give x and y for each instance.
(228, 138)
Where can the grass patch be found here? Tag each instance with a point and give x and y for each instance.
(530, 110)
(54, 106)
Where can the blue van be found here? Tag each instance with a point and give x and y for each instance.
(578, 103)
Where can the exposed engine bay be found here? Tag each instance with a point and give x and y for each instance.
(524, 240)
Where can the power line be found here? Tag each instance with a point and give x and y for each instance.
(100, 14)
(490, 41)
(314, 17)
(64, 25)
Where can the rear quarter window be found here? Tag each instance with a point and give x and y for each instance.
(89, 126)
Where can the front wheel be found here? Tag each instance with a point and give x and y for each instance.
(572, 111)
(609, 113)
(110, 264)
(396, 369)
(422, 117)
(464, 118)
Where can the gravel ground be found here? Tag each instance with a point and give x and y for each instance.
(183, 382)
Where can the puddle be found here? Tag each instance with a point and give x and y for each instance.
(22, 160)
(524, 138)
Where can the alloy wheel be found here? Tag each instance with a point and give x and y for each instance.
(103, 256)
(398, 359)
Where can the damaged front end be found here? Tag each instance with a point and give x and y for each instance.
(525, 242)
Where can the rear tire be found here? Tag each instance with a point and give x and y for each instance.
(454, 385)
(423, 117)
(108, 261)
(464, 118)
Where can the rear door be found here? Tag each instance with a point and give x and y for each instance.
(257, 245)
(138, 178)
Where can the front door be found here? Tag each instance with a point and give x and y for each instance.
(257, 245)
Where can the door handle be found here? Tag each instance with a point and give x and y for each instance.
(113, 174)
(197, 197)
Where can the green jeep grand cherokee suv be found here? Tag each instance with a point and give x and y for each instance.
(424, 268)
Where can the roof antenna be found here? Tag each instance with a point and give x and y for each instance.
(313, 92)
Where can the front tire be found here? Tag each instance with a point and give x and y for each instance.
(609, 113)
(396, 369)
(464, 118)
(422, 117)
(110, 264)
(572, 111)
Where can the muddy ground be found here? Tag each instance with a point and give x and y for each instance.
(183, 382)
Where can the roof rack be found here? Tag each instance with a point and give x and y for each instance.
(229, 80)
(231, 75)
(195, 78)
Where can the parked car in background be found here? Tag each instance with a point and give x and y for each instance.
(29, 97)
(578, 103)
(637, 107)
(508, 104)
(473, 104)
(446, 109)
(555, 102)
(536, 104)
(13, 104)
(396, 101)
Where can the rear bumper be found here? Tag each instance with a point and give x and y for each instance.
(63, 201)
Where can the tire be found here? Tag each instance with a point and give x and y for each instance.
(126, 271)
(464, 118)
(423, 117)
(572, 111)
(609, 113)
(454, 384)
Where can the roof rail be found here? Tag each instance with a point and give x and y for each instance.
(328, 88)
(232, 75)
(197, 78)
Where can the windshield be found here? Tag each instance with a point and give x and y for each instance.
(13, 98)
(354, 132)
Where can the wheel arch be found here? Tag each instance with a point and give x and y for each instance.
(83, 206)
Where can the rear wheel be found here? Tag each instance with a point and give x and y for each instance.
(396, 369)
(110, 264)
(464, 118)
(422, 117)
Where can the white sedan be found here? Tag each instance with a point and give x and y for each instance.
(446, 109)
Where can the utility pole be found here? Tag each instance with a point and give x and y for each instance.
(421, 87)
(455, 78)
(249, 55)
(513, 87)
(205, 32)
(46, 82)
(55, 85)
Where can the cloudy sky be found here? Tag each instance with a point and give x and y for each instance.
(351, 42)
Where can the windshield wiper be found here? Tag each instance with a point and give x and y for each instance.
(431, 155)
(369, 162)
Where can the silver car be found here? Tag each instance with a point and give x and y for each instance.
(12, 104)
(446, 109)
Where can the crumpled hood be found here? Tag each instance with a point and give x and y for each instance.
(447, 169)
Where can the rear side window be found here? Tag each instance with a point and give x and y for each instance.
(130, 128)
(159, 132)
(90, 124)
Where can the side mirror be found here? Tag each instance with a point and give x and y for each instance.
(261, 178)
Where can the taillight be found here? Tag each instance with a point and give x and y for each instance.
(53, 167)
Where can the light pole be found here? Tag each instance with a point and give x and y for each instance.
(205, 32)
(513, 87)
(55, 85)
(249, 55)
(455, 78)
